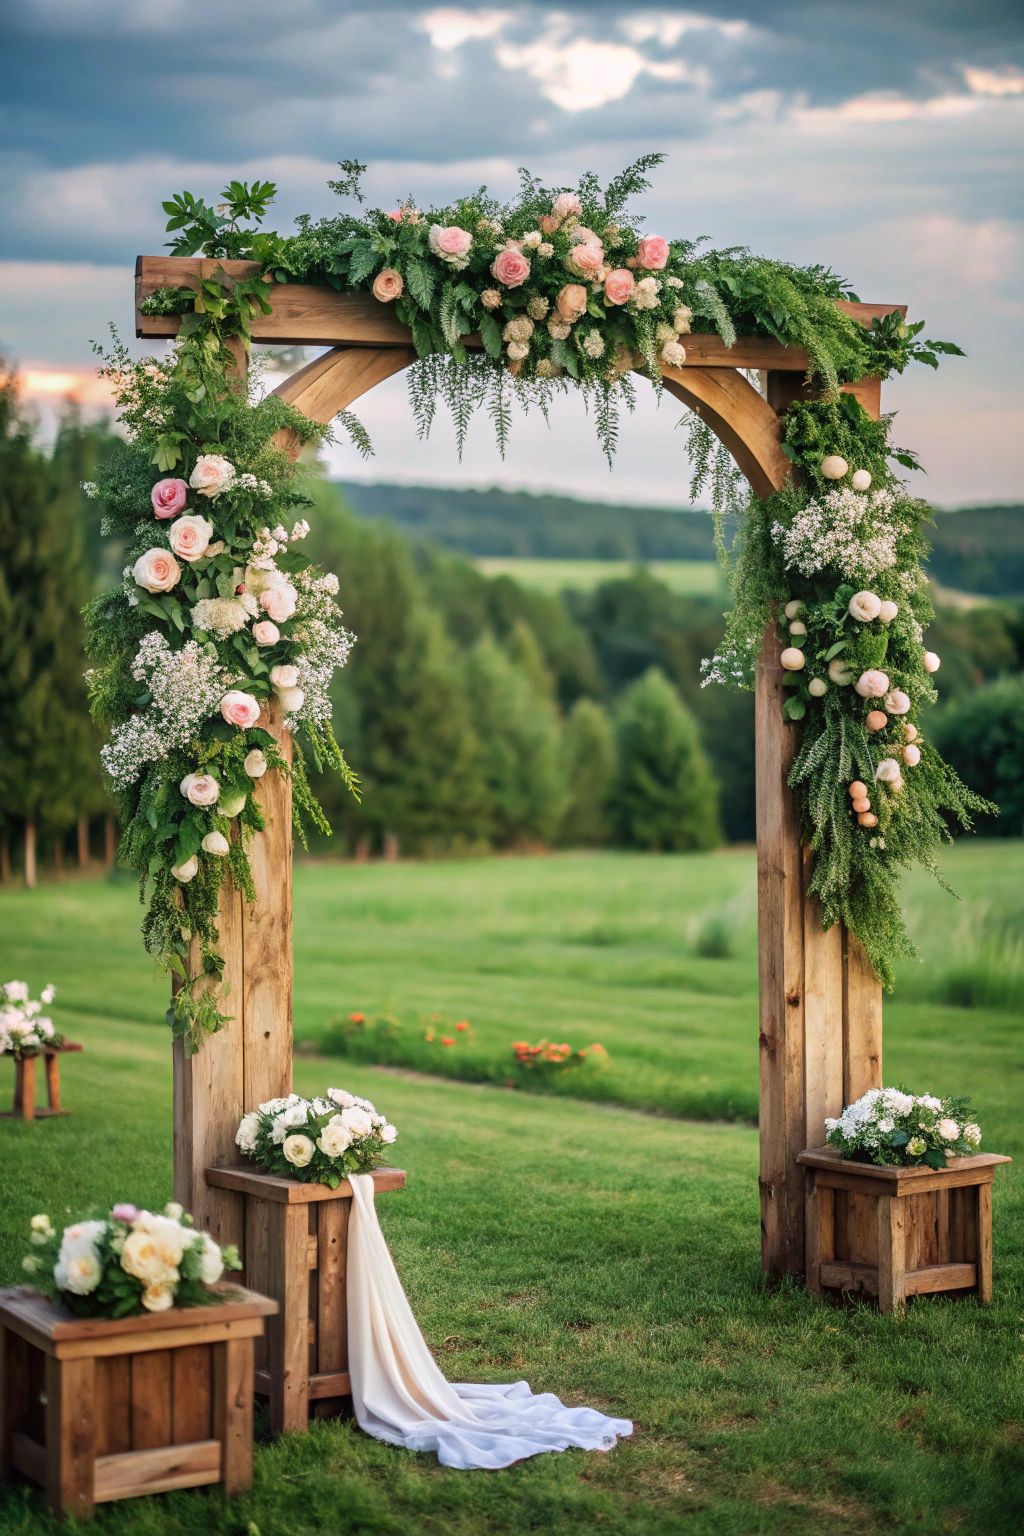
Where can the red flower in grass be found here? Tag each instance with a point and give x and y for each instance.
(447, 1040)
(462, 1026)
(357, 1018)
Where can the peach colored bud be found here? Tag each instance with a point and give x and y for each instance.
(876, 720)
(868, 819)
(862, 803)
(909, 731)
(858, 790)
(911, 755)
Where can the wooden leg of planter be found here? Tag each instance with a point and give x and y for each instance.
(28, 1087)
(70, 1436)
(288, 1333)
(983, 1219)
(821, 1231)
(53, 1081)
(332, 1307)
(892, 1253)
(14, 1394)
(232, 1412)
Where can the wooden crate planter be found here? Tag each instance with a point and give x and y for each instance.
(24, 1106)
(296, 1247)
(93, 1410)
(891, 1233)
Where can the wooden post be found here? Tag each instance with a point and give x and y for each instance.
(250, 1059)
(83, 842)
(30, 854)
(109, 841)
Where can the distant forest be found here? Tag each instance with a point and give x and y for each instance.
(976, 549)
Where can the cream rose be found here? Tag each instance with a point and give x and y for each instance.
(141, 1258)
(190, 537)
(291, 700)
(298, 1150)
(388, 1133)
(183, 873)
(335, 1138)
(278, 602)
(865, 606)
(266, 633)
(212, 474)
(200, 788)
(240, 709)
(897, 702)
(158, 1297)
(947, 1129)
(357, 1121)
(255, 763)
(157, 571)
(284, 676)
(211, 1261)
(216, 843)
(388, 285)
(872, 684)
(888, 611)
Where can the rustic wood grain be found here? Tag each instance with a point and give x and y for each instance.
(151, 1399)
(892, 1288)
(70, 1436)
(113, 1405)
(265, 994)
(288, 1333)
(739, 417)
(332, 1310)
(14, 1394)
(159, 1470)
(52, 1081)
(47, 1325)
(919, 1282)
(233, 1371)
(862, 1022)
(983, 1241)
(190, 1393)
(268, 1186)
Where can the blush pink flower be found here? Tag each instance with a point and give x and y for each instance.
(572, 302)
(266, 633)
(240, 709)
(190, 537)
(168, 497)
(157, 570)
(388, 285)
(451, 240)
(565, 203)
(510, 268)
(653, 252)
(278, 602)
(586, 261)
(619, 285)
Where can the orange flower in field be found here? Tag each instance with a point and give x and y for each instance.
(357, 1018)
(462, 1026)
(447, 1040)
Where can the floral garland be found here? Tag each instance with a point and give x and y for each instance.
(220, 617)
(562, 287)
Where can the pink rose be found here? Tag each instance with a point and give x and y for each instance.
(201, 788)
(212, 475)
(168, 497)
(157, 570)
(586, 261)
(265, 633)
(278, 602)
(388, 285)
(618, 285)
(510, 268)
(572, 302)
(190, 537)
(453, 241)
(565, 203)
(653, 252)
(240, 709)
(396, 214)
(124, 1211)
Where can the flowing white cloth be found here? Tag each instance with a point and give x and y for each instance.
(399, 1394)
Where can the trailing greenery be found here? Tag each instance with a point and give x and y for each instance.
(514, 302)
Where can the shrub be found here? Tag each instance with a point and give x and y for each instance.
(665, 796)
(981, 734)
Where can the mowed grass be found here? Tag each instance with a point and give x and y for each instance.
(608, 1256)
(690, 578)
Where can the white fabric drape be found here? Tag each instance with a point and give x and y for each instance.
(399, 1394)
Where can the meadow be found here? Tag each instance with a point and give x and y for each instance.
(598, 1250)
(688, 578)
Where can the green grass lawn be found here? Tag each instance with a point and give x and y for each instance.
(690, 578)
(606, 1255)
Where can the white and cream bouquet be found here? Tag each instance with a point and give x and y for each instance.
(24, 1029)
(893, 1128)
(320, 1141)
(127, 1262)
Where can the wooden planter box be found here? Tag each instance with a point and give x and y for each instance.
(93, 1410)
(24, 1106)
(898, 1232)
(296, 1248)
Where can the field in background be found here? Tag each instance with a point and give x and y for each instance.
(690, 578)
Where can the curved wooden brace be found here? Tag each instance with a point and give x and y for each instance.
(739, 417)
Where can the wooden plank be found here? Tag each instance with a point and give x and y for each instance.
(14, 1394)
(312, 1251)
(257, 1258)
(288, 1333)
(267, 1186)
(265, 994)
(190, 1393)
(832, 1158)
(43, 1322)
(328, 1384)
(132, 1474)
(232, 1412)
(25, 1076)
(983, 1241)
(739, 416)
(146, 1343)
(26, 1456)
(151, 1399)
(780, 972)
(209, 1092)
(840, 1276)
(819, 1233)
(331, 383)
(332, 1296)
(113, 1405)
(823, 1016)
(862, 1022)
(891, 1253)
(963, 1229)
(70, 1431)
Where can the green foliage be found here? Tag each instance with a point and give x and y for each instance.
(982, 734)
(590, 766)
(666, 798)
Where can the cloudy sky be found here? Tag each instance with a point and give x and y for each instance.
(882, 138)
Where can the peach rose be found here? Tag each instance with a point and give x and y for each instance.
(278, 602)
(157, 570)
(190, 537)
(239, 709)
(572, 302)
(618, 285)
(652, 252)
(586, 261)
(548, 224)
(213, 473)
(168, 497)
(510, 268)
(565, 203)
(388, 285)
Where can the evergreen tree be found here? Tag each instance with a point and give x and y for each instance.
(590, 764)
(49, 769)
(665, 797)
(519, 734)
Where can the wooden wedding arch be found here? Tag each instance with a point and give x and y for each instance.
(820, 1011)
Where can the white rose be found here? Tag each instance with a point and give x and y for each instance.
(357, 1121)
(158, 1297)
(278, 1130)
(266, 633)
(972, 1133)
(340, 1096)
(931, 661)
(291, 699)
(187, 871)
(42, 1224)
(298, 1150)
(335, 1138)
(872, 684)
(48, 994)
(211, 1261)
(865, 606)
(169, 1237)
(200, 788)
(388, 1133)
(888, 770)
(255, 763)
(888, 611)
(80, 1274)
(156, 570)
(284, 676)
(839, 672)
(248, 1130)
(948, 1130)
(190, 537)
(216, 843)
(295, 1114)
(212, 474)
(897, 702)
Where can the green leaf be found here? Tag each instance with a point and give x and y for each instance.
(794, 709)
(935, 1157)
(420, 281)
(490, 335)
(364, 259)
(834, 650)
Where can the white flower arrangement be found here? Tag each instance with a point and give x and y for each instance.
(846, 530)
(319, 1141)
(893, 1128)
(24, 1029)
(127, 1262)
